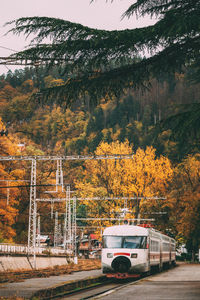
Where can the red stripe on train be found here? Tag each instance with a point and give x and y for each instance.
(122, 253)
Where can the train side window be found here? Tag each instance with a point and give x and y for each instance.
(166, 247)
(154, 246)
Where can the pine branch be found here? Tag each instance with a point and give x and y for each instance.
(96, 60)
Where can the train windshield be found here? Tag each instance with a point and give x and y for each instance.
(129, 242)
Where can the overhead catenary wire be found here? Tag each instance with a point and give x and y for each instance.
(6, 48)
(112, 219)
(22, 186)
(67, 157)
(99, 199)
(33, 200)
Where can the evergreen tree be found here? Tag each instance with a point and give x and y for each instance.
(102, 63)
(88, 54)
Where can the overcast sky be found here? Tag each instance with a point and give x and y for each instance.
(98, 14)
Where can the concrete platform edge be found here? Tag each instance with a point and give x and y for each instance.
(67, 287)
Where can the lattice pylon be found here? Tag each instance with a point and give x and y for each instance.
(59, 175)
(67, 217)
(32, 209)
(38, 231)
(52, 207)
(69, 220)
(74, 227)
(59, 234)
(56, 230)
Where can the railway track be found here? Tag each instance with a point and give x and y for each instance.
(101, 288)
(95, 291)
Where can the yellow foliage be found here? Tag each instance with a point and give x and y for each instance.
(10, 173)
(142, 176)
(186, 196)
(51, 82)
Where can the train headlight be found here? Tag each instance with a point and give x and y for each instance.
(109, 255)
(133, 255)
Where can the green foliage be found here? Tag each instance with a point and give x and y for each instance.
(98, 64)
(103, 63)
(186, 128)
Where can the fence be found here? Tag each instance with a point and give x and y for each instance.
(22, 249)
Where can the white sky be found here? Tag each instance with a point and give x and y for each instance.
(98, 14)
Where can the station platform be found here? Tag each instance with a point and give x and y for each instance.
(179, 283)
(29, 287)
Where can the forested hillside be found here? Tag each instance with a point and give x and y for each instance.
(80, 128)
(130, 124)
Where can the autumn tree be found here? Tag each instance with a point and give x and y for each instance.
(171, 44)
(143, 176)
(9, 197)
(18, 110)
(185, 201)
(15, 187)
(6, 95)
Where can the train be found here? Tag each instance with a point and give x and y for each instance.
(132, 251)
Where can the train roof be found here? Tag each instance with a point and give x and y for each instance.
(126, 230)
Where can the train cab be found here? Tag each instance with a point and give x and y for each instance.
(129, 250)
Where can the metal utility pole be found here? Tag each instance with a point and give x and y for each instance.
(52, 207)
(56, 230)
(32, 213)
(59, 234)
(38, 231)
(65, 231)
(59, 175)
(74, 246)
(69, 228)
(66, 237)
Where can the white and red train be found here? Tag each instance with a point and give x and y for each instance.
(129, 251)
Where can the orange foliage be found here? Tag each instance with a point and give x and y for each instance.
(144, 175)
(9, 198)
(186, 196)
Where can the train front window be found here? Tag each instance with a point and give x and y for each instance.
(134, 242)
(112, 241)
(128, 242)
